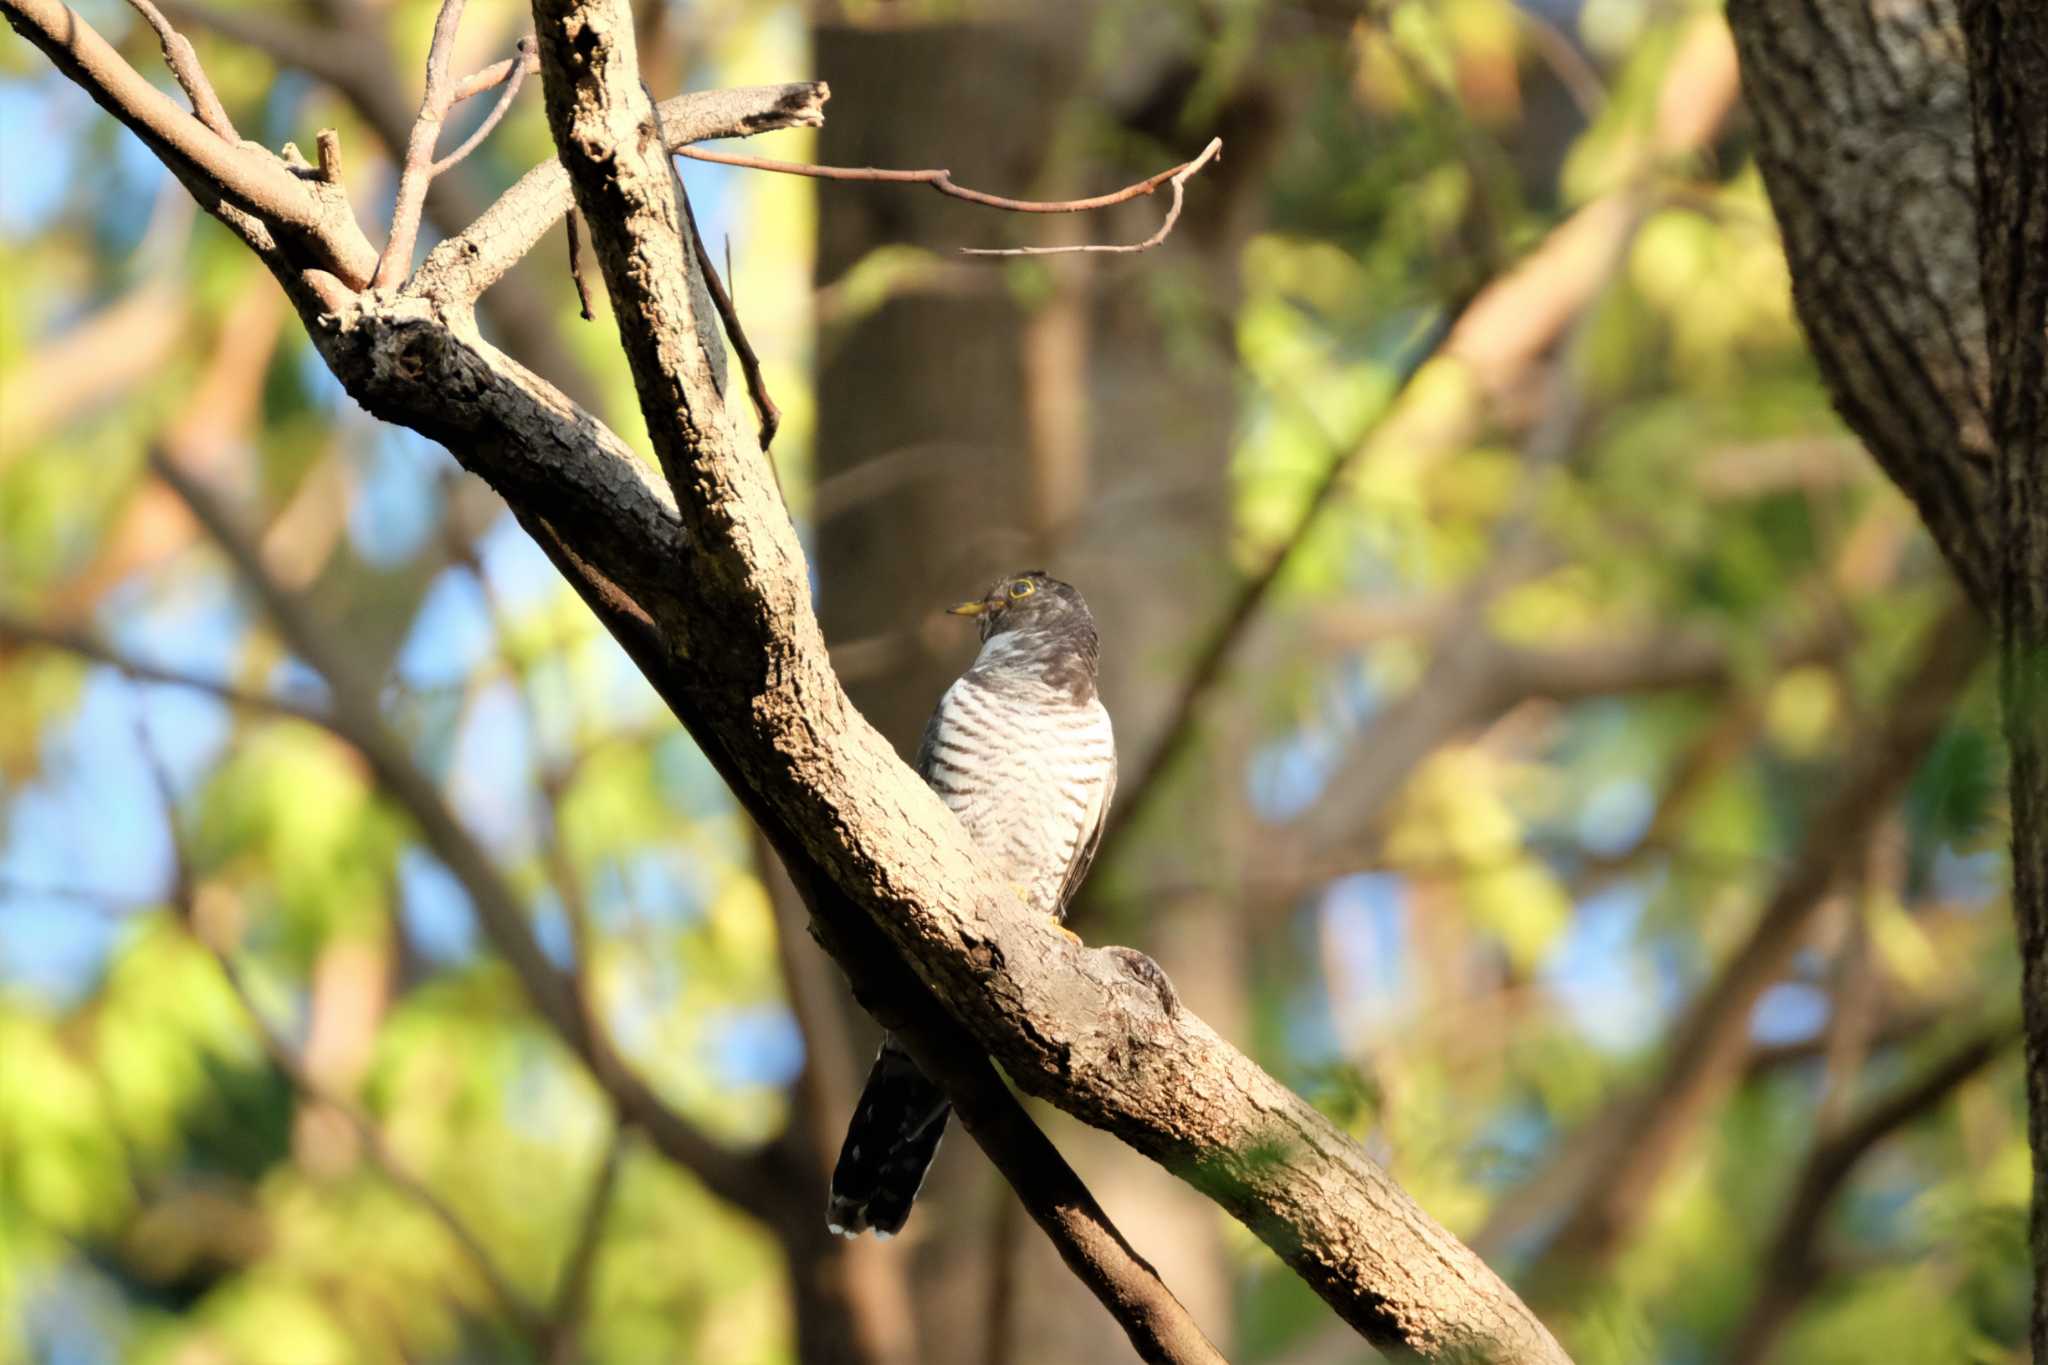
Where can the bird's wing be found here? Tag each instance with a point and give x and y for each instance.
(1096, 820)
(923, 761)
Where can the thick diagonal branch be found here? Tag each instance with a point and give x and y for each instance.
(747, 671)
(709, 595)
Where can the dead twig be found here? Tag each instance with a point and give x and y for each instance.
(1178, 181)
(515, 77)
(516, 68)
(765, 410)
(184, 64)
(942, 181)
(329, 143)
(750, 364)
(574, 222)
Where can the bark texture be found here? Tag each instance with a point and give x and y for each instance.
(1863, 134)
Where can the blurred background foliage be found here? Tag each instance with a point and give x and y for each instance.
(1516, 766)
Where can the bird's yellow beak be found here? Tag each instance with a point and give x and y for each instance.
(972, 608)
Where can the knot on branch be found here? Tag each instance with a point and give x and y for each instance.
(986, 958)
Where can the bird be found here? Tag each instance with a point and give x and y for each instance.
(1021, 750)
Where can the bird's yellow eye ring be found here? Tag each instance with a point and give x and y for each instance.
(1023, 587)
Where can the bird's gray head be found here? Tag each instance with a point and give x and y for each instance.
(1032, 601)
(1045, 623)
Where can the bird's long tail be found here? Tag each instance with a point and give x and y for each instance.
(889, 1146)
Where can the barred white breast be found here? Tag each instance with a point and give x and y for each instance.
(1027, 769)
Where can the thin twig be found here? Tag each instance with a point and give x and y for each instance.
(515, 68)
(942, 181)
(750, 364)
(520, 65)
(1178, 181)
(574, 221)
(184, 64)
(420, 167)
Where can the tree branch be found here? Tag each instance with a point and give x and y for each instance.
(1178, 183)
(1646, 1132)
(639, 228)
(294, 224)
(184, 903)
(419, 168)
(184, 64)
(351, 52)
(710, 598)
(465, 265)
(735, 649)
(1792, 1267)
(1178, 733)
(942, 180)
(512, 72)
(22, 630)
(1049, 1189)
(572, 1291)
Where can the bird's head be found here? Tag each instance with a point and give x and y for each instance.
(1032, 600)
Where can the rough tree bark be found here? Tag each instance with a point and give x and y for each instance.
(1905, 148)
(2008, 46)
(700, 577)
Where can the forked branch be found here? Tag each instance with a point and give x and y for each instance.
(439, 97)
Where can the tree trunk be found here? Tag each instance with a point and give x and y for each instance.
(1906, 155)
(2008, 44)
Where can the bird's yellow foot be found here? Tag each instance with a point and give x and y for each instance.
(1071, 935)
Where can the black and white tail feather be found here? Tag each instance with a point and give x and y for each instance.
(1021, 751)
(889, 1147)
